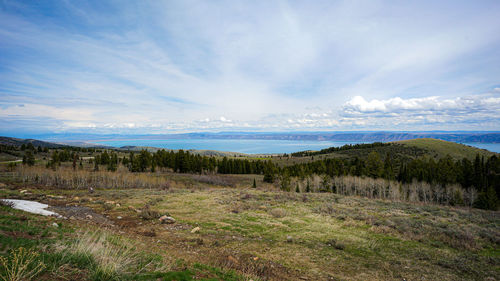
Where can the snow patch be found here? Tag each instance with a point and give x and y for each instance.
(31, 207)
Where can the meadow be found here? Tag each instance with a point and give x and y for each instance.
(227, 230)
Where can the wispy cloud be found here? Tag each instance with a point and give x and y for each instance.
(160, 67)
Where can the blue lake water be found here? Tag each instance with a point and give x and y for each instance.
(233, 145)
(248, 146)
(495, 147)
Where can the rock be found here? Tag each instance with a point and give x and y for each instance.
(232, 260)
(23, 191)
(55, 224)
(88, 217)
(118, 205)
(289, 239)
(195, 230)
(119, 217)
(166, 219)
(131, 208)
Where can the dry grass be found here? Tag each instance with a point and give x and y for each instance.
(22, 264)
(114, 256)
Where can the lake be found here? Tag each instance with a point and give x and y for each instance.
(248, 146)
(233, 145)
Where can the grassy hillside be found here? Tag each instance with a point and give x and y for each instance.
(399, 150)
(441, 148)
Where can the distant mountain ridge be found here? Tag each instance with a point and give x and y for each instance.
(365, 137)
(387, 136)
(35, 143)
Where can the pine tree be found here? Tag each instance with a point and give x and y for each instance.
(254, 184)
(28, 158)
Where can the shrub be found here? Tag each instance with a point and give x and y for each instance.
(278, 212)
(148, 214)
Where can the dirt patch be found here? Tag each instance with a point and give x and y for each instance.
(16, 234)
(81, 213)
(250, 264)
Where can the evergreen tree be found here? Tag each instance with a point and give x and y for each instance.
(254, 184)
(374, 165)
(28, 158)
(487, 200)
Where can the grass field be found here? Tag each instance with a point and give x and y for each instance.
(250, 234)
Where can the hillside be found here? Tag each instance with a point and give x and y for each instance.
(36, 143)
(440, 148)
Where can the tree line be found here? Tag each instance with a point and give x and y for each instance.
(481, 175)
(340, 148)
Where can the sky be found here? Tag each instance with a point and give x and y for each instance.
(159, 67)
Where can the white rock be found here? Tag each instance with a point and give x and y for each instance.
(166, 219)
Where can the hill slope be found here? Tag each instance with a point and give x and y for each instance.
(440, 148)
(36, 143)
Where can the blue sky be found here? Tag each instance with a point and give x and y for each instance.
(183, 66)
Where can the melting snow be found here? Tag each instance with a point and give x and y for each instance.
(31, 206)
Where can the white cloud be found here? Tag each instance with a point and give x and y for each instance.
(433, 105)
(479, 112)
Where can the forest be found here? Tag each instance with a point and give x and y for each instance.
(476, 182)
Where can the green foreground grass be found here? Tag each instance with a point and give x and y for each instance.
(33, 246)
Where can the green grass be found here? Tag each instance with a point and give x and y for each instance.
(61, 252)
(441, 148)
